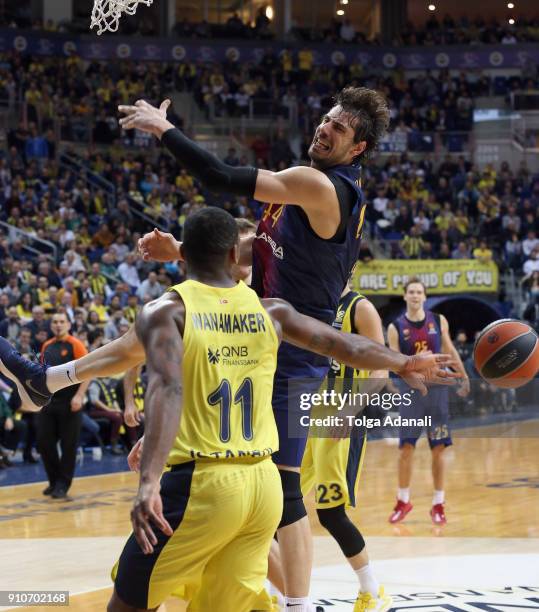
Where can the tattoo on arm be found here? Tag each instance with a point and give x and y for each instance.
(172, 351)
(319, 343)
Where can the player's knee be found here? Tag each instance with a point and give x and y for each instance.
(293, 506)
(407, 450)
(438, 449)
(344, 532)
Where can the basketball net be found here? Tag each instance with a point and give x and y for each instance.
(106, 13)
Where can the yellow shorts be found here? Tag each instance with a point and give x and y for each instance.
(224, 516)
(332, 467)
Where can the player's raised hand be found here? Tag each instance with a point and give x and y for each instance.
(148, 510)
(145, 117)
(159, 246)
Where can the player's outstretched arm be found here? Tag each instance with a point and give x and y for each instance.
(114, 358)
(158, 328)
(304, 186)
(356, 351)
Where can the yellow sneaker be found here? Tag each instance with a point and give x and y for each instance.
(365, 601)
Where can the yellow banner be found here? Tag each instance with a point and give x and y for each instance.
(388, 276)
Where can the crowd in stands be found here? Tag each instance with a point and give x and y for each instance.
(78, 100)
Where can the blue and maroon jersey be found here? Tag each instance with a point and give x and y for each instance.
(419, 336)
(292, 263)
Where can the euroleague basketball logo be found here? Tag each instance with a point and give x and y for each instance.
(492, 338)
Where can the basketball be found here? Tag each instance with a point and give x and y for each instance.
(506, 353)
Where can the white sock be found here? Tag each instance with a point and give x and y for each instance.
(438, 497)
(61, 376)
(403, 495)
(298, 604)
(367, 580)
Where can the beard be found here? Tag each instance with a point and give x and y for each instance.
(321, 161)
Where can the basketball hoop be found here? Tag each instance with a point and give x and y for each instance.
(106, 14)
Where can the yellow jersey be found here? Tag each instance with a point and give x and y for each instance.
(230, 355)
(341, 377)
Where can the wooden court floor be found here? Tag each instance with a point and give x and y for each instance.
(492, 495)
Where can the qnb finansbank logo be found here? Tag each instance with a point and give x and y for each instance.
(213, 355)
(230, 355)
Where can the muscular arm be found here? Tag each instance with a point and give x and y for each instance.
(158, 329)
(114, 358)
(303, 186)
(354, 350)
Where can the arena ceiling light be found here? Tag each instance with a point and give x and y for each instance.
(511, 21)
(340, 12)
(510, 5)
(344, 1)
(269, 12)
(432, 7)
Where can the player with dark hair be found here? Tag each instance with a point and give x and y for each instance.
(417, 331)
(220, 446)
(304, 249)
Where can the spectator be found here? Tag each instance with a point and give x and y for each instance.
(25, 308)
(530, 243)
(36, 146)
(131, 310)
(11, 326)
(482, 252)
(530, 266)
(104, 405)
(412, 243)
(232, 158)
(24, 342)
(513, 252)
(100, 309)
(112, 327)
(12, 431)
(4, 306)
(98, 283)
(150, 287)
(128, 272)
(461, 252)
(464, 348)
(347, 31)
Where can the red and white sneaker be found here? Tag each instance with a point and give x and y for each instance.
(437, 514)
(400, 511)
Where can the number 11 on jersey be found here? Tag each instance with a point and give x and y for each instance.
(222, 396)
